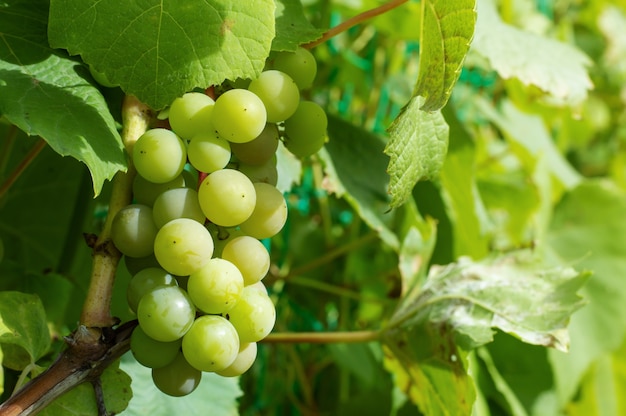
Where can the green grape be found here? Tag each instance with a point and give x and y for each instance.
(101, 78)
(159, 155)
(177, 203)
(253, 316)
(211, 344)
(216, 287)
(269, 215)
(279, 94)
(150, 352)
(166, 313)
(305, 131)
(146, 192)
(243, 362)
(208, 152)
(250, 256)
(260, 287)
(190, 114)
(178, 378)
(133, 230)
(227, 197)
(267, 172)
(146, 281)
(299, 65)
(182, 246)
(259, 150)
(239, 115)
(136, 264)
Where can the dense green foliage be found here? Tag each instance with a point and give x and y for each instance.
(457, 247)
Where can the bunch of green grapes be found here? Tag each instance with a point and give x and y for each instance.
(204, 198)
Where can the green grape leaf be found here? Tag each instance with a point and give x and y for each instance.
(587, 228)
(431, 369)
(350, 156)
(215, 395)
(45, 93)
(22, 324)
(417, 149)
(558, 69)
(510, 292)
(158, 51)
(447, 29)
(81, 401)
(292, 27)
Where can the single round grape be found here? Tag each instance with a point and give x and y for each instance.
(159, 155)
(259, 150)
(177, 203)
(146, 281)
(146, 192)
(166, 313)
(250, 256)
(190, 114)
(182, 246)
(211, 344)
(243, 362)
(239, 115)
(133, 230)
(216, 287)
(305, 131)
(269, 215)
(136, 264)
(227, 197)
(208, 152)
(267, 172)
(150, 352)
(253, 316)
(299, 65)
(279, 93)
(178, 378)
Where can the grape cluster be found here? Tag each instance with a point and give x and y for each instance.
(194, 249)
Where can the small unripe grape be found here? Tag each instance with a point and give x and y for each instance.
(159, 155)
(239, 115)
(208, 152)
(182, 246)
(243, 362)
(250, 256)
(211, 344)
(269, 215)
(253, 316)
(133, 230)
(177, 203)
(166, 313)
(178, 378)
(146, 192)
(216, 287)
(305, 131)
(190, 114)
(279, 94)
(150, 352)
(227, 197)
(146, 281)
(259, 150)
(299, 65)
(266, 173)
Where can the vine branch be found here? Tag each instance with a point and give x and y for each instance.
(322, 337)
(19, 169)
(353, 21)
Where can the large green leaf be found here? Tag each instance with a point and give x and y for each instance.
(292, 27)
(22, 324)
(558, 69)
(46, 93)
(417, 148)
(447, 28)
(158, 50)
(512, 292)
(589, 228)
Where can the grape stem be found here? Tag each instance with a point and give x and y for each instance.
(136, 117)
(353, 21)
(322, 337)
